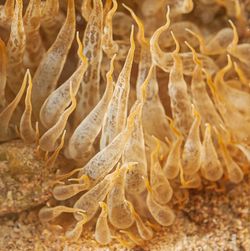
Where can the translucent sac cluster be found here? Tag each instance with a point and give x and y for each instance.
(145, 100)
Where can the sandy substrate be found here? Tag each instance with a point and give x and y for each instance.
(210, 221)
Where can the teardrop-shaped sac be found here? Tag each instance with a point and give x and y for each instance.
(119, 212)
(217, 44)
(165, 61)
(15, 49)
(7, 112)
(181, 31)
(109, 46)
(48, 142)
(89, 201)
(89, 91)
(81, 142)
(34, 49)
(51, 20)
(191, 155)
(75, 233)
(172, 165)
(240, 51)
(104, 161)
(135, 152)
(64, 192)
(161, 189)
(102, 231)
(179, 98)
(51, 66)
(116, 115)
(234, 172)
(164, 215)
(49, 213)
(27, 132)
(59, 99)
(211, 168)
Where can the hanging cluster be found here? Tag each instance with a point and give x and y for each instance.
(133, 151)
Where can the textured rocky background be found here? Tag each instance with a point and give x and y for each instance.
(209, 221)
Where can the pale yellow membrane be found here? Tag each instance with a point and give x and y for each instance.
(7, 112)
(179, 98)
(80, 144)
(34, 48)
(89, 91)
(51, 66)
(110, 47)
(161, 189)
(119, 212)
(102, 230)
(48, 142)
(104, 161)
(59, 99)
(51, 20)
(15, 49)
(211, 168)
(163, 214)
(116, 116)
(89, 202)
(27, 132)
(191, 155)
(218, 44)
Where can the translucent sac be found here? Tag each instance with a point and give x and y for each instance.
(109, 46)
(89, 91)
(165, 60)
(75, 233)
(89, 202)
(51, 20)
(7, 113)
(135, 152)
(240, 51)
(34, 49)
(172, 165)
(102, 231)
(191, 155)
(200, 95)
(59, 99)
(119, 212)
(27, 132)
(48, 142)
(15, 49)
(179, 98)
(50, 213)
(81, 142)
(161, 189)
(234, 172)
(147, 76)
(163, 214)
(217, 44)
(145, 232)
(211, 168)
(64, 192)
(51, 66)
(104, 161)
(115, 119)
